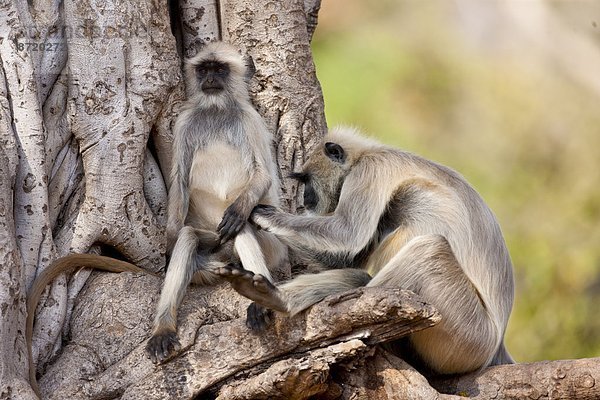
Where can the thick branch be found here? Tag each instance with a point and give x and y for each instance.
(373, 315)
(386, 377)
(562, 379)
(213, 353)
(294, 378)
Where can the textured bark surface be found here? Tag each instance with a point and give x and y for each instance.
(13, 355)
(85, 131)
(286, 91)
(214, 347)
(563, 379)
(387, 377)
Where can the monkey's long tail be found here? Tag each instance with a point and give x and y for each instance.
(59, 266)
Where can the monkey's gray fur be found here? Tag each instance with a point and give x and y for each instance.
(406, 222)
(223, 167)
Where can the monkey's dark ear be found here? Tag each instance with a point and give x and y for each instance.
(335, 152)
(250, 67)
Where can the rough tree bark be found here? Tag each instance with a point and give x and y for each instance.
(84, 145)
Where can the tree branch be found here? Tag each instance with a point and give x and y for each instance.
(294, 378)
(370, 314)
(212, 353)
(562, 379)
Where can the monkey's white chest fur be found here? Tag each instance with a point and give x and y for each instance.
(218, 175)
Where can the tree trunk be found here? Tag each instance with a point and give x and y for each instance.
(85, 136)
(89, 94)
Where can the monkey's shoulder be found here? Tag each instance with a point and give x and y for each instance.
(428, 174)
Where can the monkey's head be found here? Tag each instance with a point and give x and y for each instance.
(217, 72)
(327, 167)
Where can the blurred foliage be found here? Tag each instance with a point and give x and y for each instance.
(520, 129)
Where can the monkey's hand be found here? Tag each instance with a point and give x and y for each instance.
(233, 221)
(262, 214)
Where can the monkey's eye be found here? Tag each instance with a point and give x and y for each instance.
(220, 70)
(335, 152)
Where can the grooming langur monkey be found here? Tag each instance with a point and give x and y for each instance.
(222, 168)
(384, 217)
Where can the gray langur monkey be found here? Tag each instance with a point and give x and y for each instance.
(384, 217)
(223, 166)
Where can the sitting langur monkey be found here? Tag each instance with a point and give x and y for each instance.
(384, 217)
(223, 167)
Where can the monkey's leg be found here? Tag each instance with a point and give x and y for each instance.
(466, 338)
(274, 251)
(291, 297)
(250, 252)
(184, 262)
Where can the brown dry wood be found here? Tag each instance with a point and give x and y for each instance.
(383, 376)
(214, 352)
(370, 314)
(561, 379)
(295, 378)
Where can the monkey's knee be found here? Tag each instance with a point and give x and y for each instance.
(466, 338)
(422, 262)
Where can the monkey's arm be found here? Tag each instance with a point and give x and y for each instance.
(59, 266)
(331, 232)
(363, 198)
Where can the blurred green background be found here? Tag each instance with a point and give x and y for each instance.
(508, 94)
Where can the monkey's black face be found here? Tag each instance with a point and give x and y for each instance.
(311, 199)
(323, 176)
(212, 76)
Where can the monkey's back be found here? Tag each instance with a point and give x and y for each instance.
(433, 199)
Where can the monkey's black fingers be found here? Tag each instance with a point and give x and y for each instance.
(223, 222)
(264, 209)
(230, 226)
(258, 317)
(234, 230)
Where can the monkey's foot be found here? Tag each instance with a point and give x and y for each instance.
(161, 346)
(253, 286)
(258, 317)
